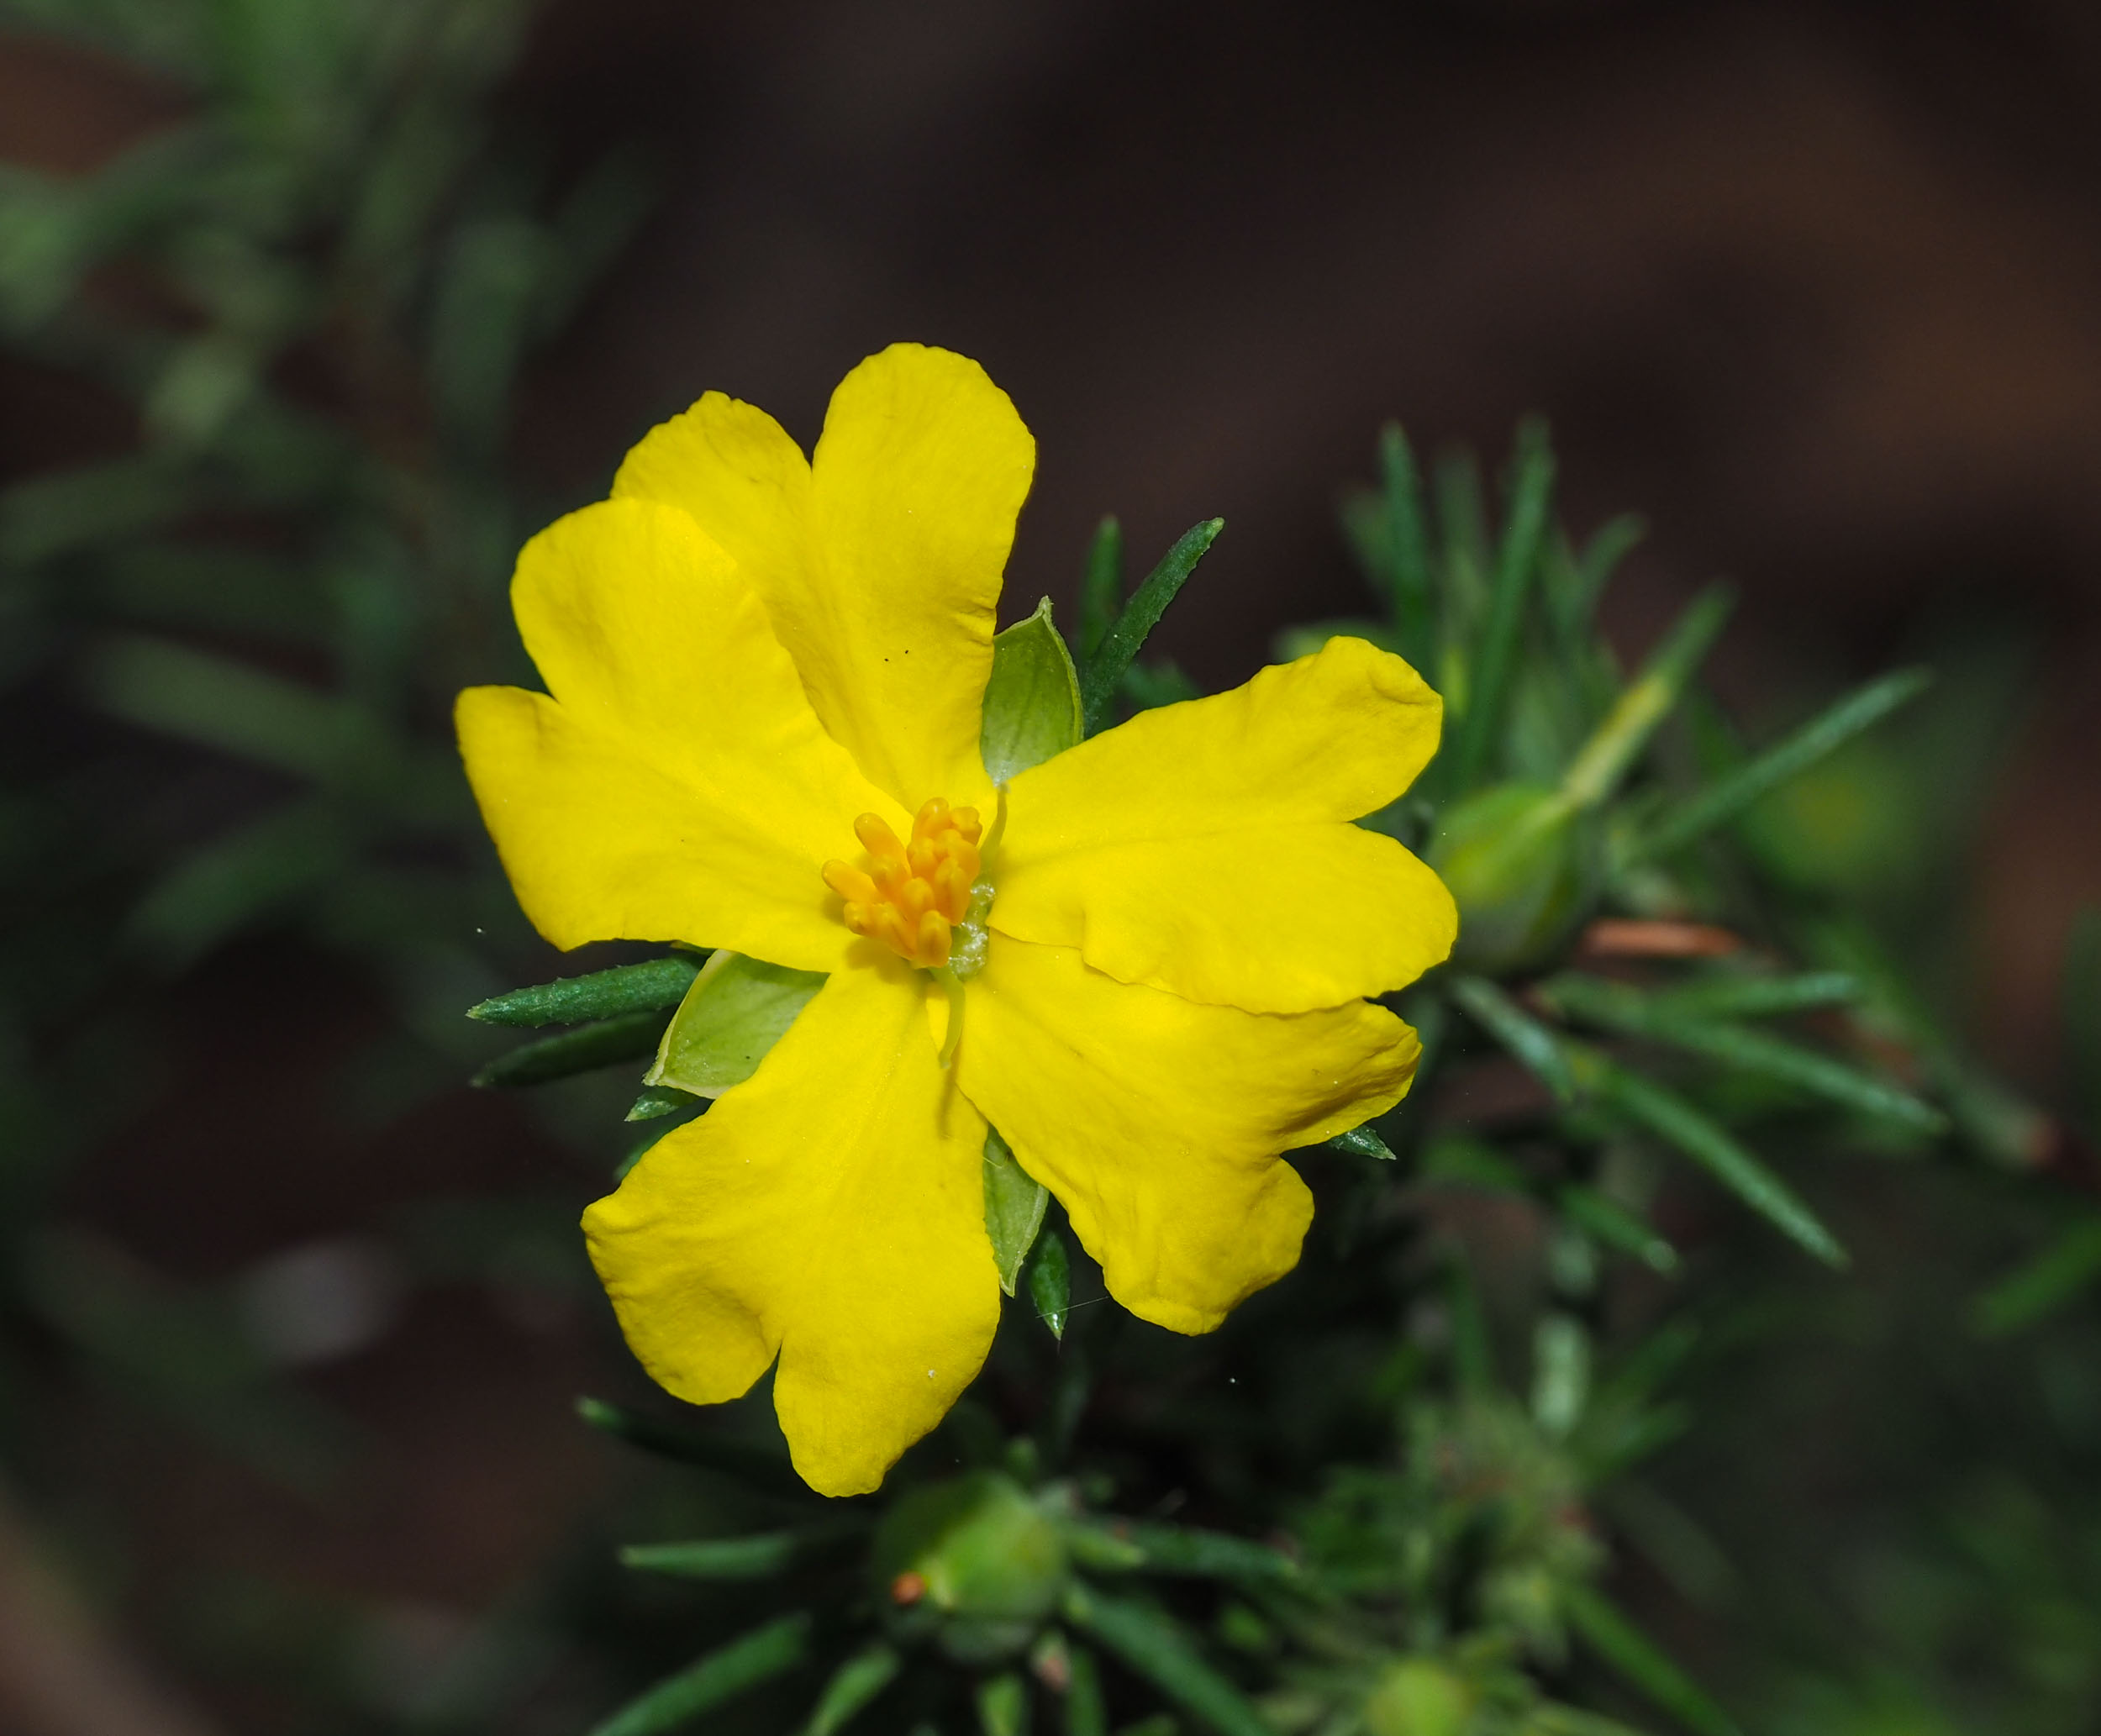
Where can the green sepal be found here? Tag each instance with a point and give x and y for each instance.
(1014, 1204)
(604, 994)
(737, 1010)
(628, 1038)
(1050, 1283)
(759, 1656)
(1363, 1142)
(1032, 699)
(657, 1100)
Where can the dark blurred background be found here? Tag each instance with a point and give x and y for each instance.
(1817, 288)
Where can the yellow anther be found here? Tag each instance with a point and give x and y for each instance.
(933, 941)
(850, 883)
(910, 896)
(877, 839)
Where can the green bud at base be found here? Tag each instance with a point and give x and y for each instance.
(1415, 1696)
(1520, 859)
(972, 1564)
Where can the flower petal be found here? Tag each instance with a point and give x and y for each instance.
(831, 1207)
(1158, 1121)
(677, 785)
(1204, 848)
(734, 471)
(881, 564)
(916, 483)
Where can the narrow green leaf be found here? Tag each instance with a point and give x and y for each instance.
(1601, 558)
(1148, 686)
(1363, 1142)
(2045, 1284)
(604, 994)
(1003, 1705)
(1495, 655)
(628, 1038)
(1154, 1646)
(1551, 1717)
(1560, 1374)
(1032, 699)
(1408, 549)
(1051, 1282)
(1596, 771)
(1465, 525)
(1640, 1662)
(1522, 1035)
(1618, 1006)
(1105, 668)
(222, 703)
(734, 1558)
(1118, 1546)
(1459, 1160)
(1101, 1547)
(1676, 1122)
(1473, 1358)
(659, 1100)
(1731, 794)
(1101, 588)
(1014, 1204)
(1616, 1226)
(1085, 1715)
(256, 870)
(736, 1010)
(759, 1466)
(1725, 997)
(855, 1683)
(2083, 1020)
(759, 1656)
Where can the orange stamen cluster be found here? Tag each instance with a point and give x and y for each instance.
(911, 896)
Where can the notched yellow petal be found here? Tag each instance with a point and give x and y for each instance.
(830, 1207)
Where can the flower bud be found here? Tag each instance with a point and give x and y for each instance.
(973, 1563)
(1520, 861)
(1419, 1696)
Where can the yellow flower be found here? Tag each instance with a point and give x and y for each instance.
(766, 677)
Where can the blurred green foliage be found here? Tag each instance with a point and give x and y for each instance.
(1557, 1431)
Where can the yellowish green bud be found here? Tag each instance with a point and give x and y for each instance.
(972, 1563)
(1419, 1696)
(1518, 859)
